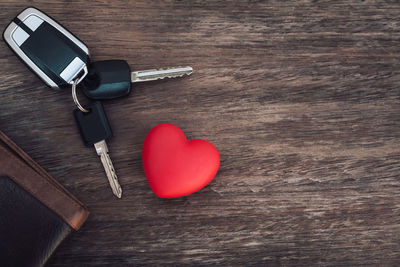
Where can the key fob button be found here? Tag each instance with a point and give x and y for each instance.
(74, 67)
(33, 22)
(19, 36)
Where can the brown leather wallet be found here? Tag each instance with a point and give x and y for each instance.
(36, 212)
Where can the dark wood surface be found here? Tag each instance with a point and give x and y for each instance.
(301, 98)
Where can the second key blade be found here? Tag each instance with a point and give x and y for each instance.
(102, 151)
(157, 74)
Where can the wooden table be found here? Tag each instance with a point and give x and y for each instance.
(301, 98)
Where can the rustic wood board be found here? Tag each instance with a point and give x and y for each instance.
(301, 98)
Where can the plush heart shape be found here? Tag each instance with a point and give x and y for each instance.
(175, 166)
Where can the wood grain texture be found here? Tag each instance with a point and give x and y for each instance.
(301, 98)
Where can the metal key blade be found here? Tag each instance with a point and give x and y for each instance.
(102, 151)
(157, 74)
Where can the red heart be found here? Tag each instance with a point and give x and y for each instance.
(175, 166)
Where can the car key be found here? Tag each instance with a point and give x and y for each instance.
(47, 48)
(95, 129)
(112, 78)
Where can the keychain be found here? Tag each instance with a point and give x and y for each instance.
(61, 60)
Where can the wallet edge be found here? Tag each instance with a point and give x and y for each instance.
(34, 179)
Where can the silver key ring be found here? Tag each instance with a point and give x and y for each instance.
(75, 98)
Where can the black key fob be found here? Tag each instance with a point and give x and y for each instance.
(107, 79)
(47, 48)
(93, 125)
